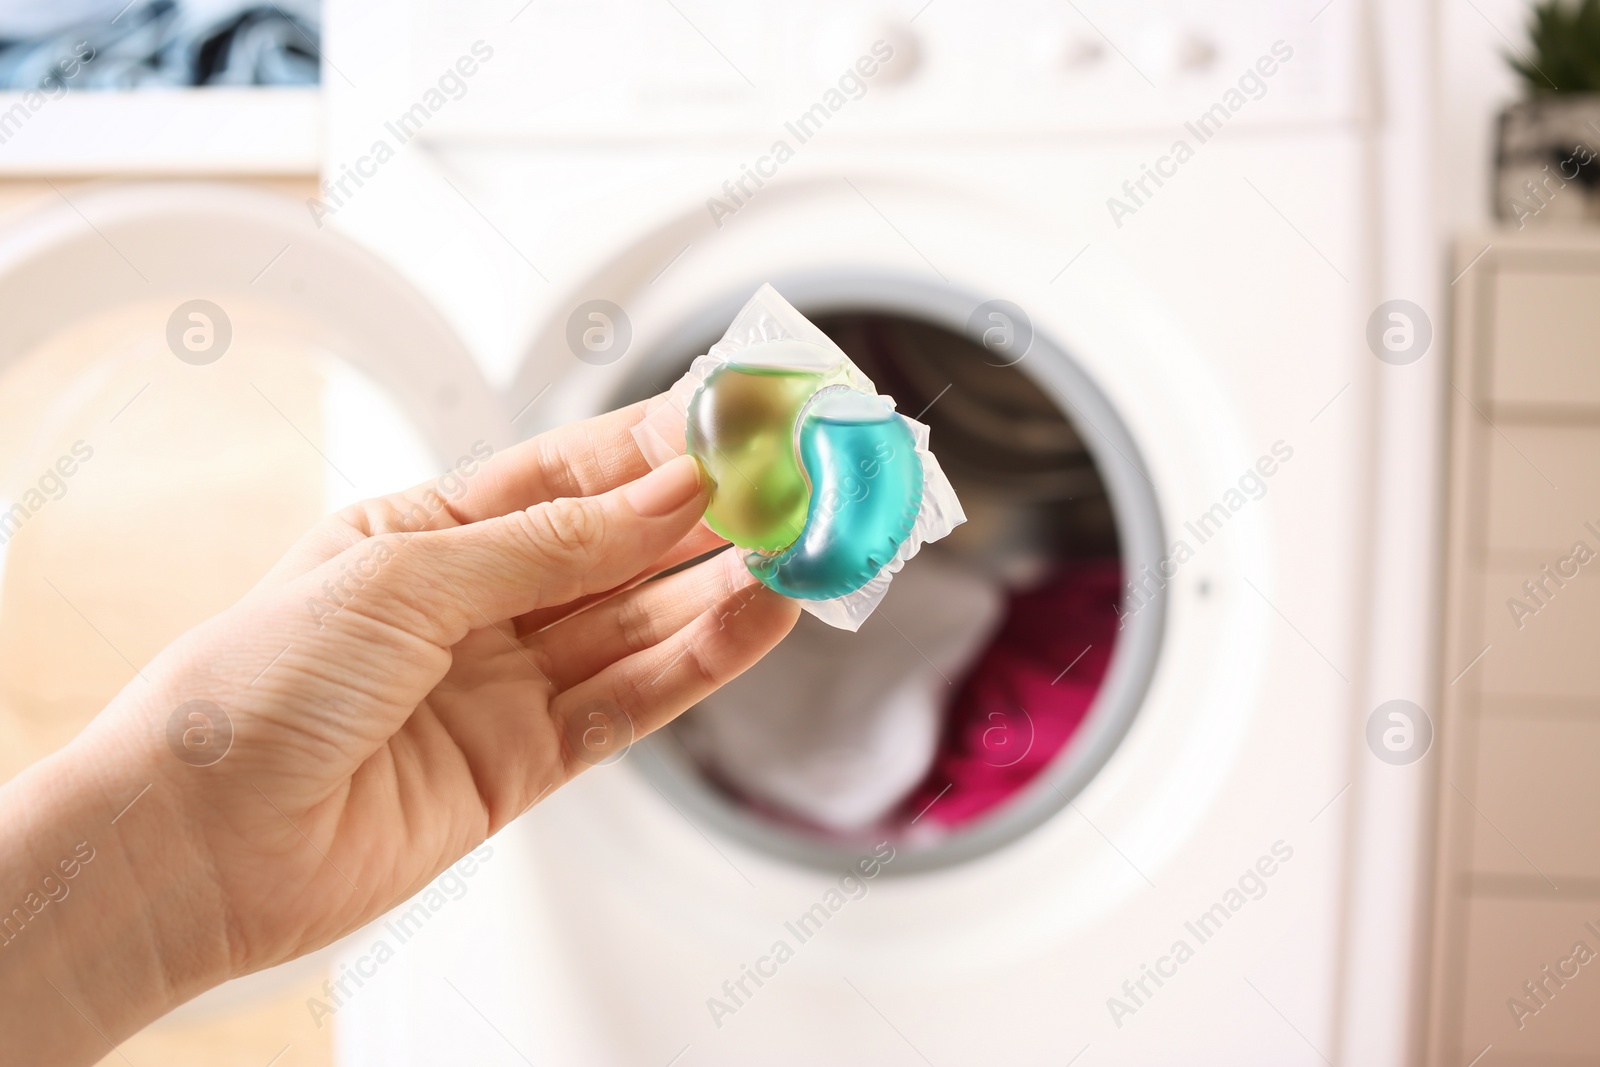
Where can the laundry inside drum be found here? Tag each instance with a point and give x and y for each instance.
(988, 652)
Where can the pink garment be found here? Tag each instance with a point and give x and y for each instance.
(1027, 695)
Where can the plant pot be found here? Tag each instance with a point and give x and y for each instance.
(1547, 161)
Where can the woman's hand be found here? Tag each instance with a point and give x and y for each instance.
(416, 672)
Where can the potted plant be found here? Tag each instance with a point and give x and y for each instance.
(1547, 162)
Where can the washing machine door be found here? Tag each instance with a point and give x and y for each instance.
(190, 377)
(1075, 424)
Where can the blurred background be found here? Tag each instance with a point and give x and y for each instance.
(1249, 719)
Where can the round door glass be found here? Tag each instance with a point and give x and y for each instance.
(992, 683)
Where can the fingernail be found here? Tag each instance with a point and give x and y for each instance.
(665, 489)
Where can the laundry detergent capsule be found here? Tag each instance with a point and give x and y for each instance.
(866, 486)
(827, 489)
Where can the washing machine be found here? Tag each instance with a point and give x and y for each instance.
(1119, 259)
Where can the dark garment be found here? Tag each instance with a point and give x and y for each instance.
(159, 44)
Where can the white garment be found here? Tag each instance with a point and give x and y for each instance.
(838, 727)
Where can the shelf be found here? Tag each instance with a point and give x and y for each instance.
(168, 131)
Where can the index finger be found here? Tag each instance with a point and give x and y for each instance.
(580, 459)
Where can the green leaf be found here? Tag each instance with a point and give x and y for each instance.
(1563, 53)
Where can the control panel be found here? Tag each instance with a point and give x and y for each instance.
(629, 69)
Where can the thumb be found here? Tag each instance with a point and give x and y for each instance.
(439, 584)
